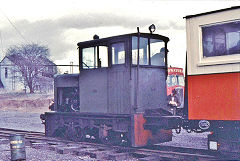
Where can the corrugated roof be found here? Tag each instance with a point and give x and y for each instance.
(206, 13)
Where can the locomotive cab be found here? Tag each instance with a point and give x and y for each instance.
(113, 80)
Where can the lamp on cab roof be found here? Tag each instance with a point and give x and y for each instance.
(95, 37)
(152, 28)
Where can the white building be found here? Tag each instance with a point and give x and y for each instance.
(12, 80)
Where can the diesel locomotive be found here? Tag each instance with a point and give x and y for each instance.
(120, 95)
(122, 81)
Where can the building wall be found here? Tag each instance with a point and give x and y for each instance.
(11, 80)
(197, 64)
(213, 72)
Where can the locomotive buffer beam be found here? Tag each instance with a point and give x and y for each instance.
(162, 122)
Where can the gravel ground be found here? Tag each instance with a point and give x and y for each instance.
(188, 140)
(21, 121)
(33, 154)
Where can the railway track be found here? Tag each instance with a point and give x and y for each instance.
(97, 151)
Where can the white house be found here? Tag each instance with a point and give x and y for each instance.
(12, 80)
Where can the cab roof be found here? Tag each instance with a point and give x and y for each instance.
(109, 39)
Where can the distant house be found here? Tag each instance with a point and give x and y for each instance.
(12, 80)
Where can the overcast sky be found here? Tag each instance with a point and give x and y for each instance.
(61, 24)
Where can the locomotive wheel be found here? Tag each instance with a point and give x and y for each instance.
(109, 139)
(94, 134)
(60, 132)
(115, 138)
(74, 134)
(121, 139)
(85, 133)
(105, 140)
(79, 133)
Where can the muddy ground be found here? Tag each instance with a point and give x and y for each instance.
(30, 103)
(21, 111)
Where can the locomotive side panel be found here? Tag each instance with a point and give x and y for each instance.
(119, 90)
(66, 80)
(93, 90)
(152, 92)
(105, 91)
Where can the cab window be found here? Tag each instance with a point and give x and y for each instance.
(157, 52)
(151, 51)
(143, 51)
(95, 57)
(118, 53)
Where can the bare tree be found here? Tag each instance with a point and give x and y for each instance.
(32, 62)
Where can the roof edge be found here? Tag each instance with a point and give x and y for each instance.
(85, 43)
(210, 12)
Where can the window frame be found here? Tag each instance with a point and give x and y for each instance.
(125, 49)
(96, 57)
(149, 65)
(215, 60)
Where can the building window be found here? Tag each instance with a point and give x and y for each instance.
(6, 72)
(221, 39)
